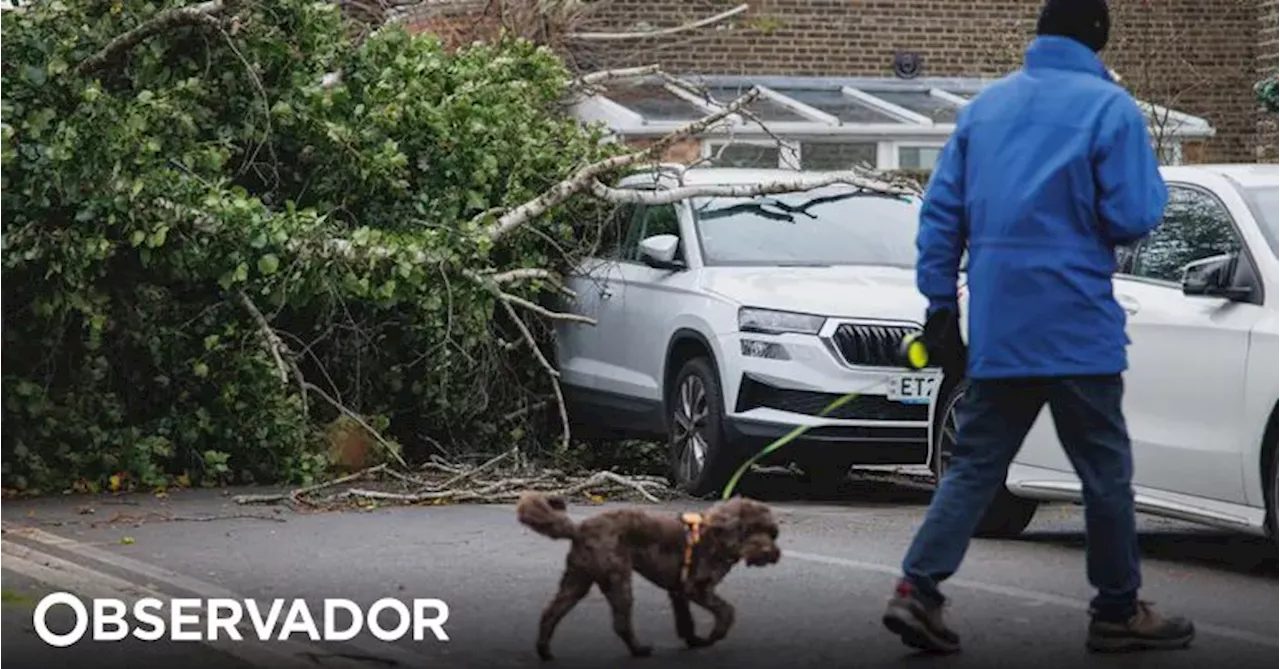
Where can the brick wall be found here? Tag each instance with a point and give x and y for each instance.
(1186, 54)
(1266, 63)
(1182, 53)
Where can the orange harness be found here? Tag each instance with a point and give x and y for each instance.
(692, 535)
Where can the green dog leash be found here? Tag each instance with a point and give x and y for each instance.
(914, 354)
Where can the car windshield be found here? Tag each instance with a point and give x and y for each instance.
(1264, 201)
(832, 225)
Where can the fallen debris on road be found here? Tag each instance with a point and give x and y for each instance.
(500, 479)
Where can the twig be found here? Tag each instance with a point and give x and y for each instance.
(162, 22)
(280, 497)
(545, 312)
(661, 32)
(473, 472)
(551, 373)
(279, 350)
(523, 411)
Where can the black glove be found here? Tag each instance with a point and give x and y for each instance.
(946, 348)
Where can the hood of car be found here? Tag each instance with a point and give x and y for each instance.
(844, 292)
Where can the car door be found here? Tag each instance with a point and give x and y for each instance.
(586, 356)
(1184, 391)
(651, 296)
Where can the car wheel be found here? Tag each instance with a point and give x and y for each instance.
(1272, 484)
(1007, 515)
(700, 462)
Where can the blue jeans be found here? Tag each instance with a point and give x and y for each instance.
(992, 420)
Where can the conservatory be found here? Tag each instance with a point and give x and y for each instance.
(825, 123)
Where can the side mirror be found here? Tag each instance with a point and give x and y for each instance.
(660, 251)
(1213, 277)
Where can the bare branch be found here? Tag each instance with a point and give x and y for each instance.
(162, 22)
(854, 178)
(605, 76)
(583, 178)
(551, 372)
(662, 32)
(278, 349)
(527, 273)
(392, 450)
(545, 312)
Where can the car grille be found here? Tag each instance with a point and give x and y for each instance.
(757, 395)
(871, 345)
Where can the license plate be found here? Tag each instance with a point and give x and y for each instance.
(912, 388)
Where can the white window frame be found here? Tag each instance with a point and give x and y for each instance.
(892, 160)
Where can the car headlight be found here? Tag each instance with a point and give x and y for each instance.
(769, 321)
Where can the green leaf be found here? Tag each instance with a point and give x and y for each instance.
(34, 74)
(268, 264)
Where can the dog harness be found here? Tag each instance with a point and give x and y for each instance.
(692, 535)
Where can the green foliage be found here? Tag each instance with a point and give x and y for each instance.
(1268, 92)
(212, 160)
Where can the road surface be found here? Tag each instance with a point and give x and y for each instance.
(1018, 603)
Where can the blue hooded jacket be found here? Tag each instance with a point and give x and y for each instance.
(1048, 170)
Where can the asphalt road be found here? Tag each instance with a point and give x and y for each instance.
(1016, 603)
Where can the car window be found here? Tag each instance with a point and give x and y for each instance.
(1264, 202)
(1196, 226)
(832, 225)
(658, 219)
(616, 227)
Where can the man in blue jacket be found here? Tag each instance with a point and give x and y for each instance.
(1048, 171)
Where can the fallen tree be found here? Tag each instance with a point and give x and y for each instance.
(288, 249)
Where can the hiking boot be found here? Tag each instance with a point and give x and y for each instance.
(919, 622)
(1145, 630)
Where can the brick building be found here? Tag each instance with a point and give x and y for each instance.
(836, 95)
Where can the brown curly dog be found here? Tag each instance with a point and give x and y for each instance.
(685, 554)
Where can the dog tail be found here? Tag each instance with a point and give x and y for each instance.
(545, 515)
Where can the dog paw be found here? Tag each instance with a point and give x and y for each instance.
(544, 653)
(641, 651)
(696, 642)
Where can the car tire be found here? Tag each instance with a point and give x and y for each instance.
(700, 458)
(1271, 482)
(1007, 515)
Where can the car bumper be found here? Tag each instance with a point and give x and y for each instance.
(768, 398)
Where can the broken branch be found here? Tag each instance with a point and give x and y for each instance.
(800, 184)
(661, 32)
(583, 178)
(588, 81)
(545, 312)
(162, 22)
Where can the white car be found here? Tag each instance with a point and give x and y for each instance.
(1201, 295)
(725, 322)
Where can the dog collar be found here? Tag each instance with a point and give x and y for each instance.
(692, 535)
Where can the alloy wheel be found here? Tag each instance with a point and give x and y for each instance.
(947, 435)
(689, 418)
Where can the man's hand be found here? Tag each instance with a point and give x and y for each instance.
(946, 347)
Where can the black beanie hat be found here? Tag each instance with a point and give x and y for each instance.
(1086, 21)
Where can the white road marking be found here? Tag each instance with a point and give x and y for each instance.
(1032, 596)
(154, 574)
(1024, 594)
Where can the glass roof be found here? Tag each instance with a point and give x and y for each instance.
(653, 101)
(924, 103)
(763, 107)
(812, 106)
(844, 107)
